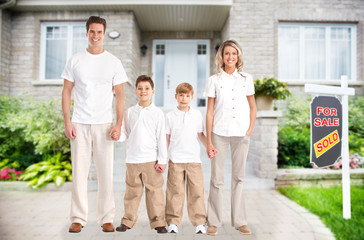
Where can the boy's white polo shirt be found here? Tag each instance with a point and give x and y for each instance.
(232, 111)
(146, 134)
(94, 76)
(183, 127)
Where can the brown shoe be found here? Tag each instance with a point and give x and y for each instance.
(122, 228)
(108, 227)
(161, 229)
(244, 230)
(211, 230)
(75, 227)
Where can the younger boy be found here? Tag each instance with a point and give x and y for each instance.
(183, 126)
(146, 159)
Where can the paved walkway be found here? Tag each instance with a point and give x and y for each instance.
(45, 215)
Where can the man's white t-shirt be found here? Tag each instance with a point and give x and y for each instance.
(94, 76)
(183, 127)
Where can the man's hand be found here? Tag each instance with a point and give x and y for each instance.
(70, 131)
(115, 132)
(160, 167)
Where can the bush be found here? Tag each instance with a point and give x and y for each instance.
(294, 147)
(54, 168)
(13, 145)
(356, 116)
(28, 130)
(271, 87)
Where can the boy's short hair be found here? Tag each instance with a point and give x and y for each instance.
(144, 78)
(184, 88)
(95, 19)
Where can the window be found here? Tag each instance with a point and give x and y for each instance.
(59, 41)
(321, 52)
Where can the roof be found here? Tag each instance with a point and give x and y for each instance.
(151, 15)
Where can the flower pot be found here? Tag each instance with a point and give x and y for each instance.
(264, 103)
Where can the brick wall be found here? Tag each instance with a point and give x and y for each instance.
(25, 49)
(5, 51)
(254, 24)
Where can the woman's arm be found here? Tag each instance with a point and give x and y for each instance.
(210, 149)
(253, 114)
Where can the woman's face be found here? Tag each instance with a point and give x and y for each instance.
(230, 57)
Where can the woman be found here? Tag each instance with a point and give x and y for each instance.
(230, 119)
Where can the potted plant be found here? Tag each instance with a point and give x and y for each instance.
(267, 90)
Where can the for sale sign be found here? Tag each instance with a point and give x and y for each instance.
(326, 130)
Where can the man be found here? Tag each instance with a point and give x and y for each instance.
(93, 74)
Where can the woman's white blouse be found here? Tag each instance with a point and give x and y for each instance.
(231, 111)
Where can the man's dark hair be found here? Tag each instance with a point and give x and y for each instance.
(95, 19)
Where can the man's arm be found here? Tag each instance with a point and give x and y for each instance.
(120, 107)
(69, 129)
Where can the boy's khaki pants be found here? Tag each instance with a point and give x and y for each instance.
(137, 177)
(178, 173)
(239, 151)
(92, 142)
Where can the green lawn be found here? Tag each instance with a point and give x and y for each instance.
(327, 204)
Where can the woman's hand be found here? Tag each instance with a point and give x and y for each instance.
(211, 151)
(249, 132)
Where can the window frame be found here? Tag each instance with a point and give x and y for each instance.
(42, 62)
(328, 26)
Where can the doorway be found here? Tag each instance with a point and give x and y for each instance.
(177, 61)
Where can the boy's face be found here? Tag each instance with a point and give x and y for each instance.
(184, 99)
(95, 34)
(144, 91)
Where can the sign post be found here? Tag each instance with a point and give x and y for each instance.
(344, 91)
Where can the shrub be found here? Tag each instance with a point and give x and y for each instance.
(271, 87)
(54, 168)
(356, 116)
(12, 139)
(294, 147)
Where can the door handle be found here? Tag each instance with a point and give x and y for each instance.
(168, 82)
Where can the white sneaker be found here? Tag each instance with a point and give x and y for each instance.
(200, 229)
(172, 228)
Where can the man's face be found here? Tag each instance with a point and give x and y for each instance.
(95, 34)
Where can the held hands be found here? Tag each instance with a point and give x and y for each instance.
(70, 131)
(211, 151)
(160, 167)
(115, 132)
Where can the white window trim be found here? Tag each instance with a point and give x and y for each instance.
(42, 80)
(328, 27)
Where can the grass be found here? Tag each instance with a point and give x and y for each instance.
(327, 204)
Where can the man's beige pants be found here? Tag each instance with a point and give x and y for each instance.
(178, 174)
(92, 142)
(137, 177)
(239, 150)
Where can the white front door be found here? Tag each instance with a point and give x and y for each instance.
(177, 61)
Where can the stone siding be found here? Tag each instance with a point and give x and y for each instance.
(254, 24)
(4, 50)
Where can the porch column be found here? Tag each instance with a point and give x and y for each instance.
(263, 150)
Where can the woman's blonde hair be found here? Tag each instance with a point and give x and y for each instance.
(219, 56)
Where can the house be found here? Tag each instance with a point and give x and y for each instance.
(297, 41)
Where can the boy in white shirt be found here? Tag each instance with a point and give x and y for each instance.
(183, 126)
(146, 158)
